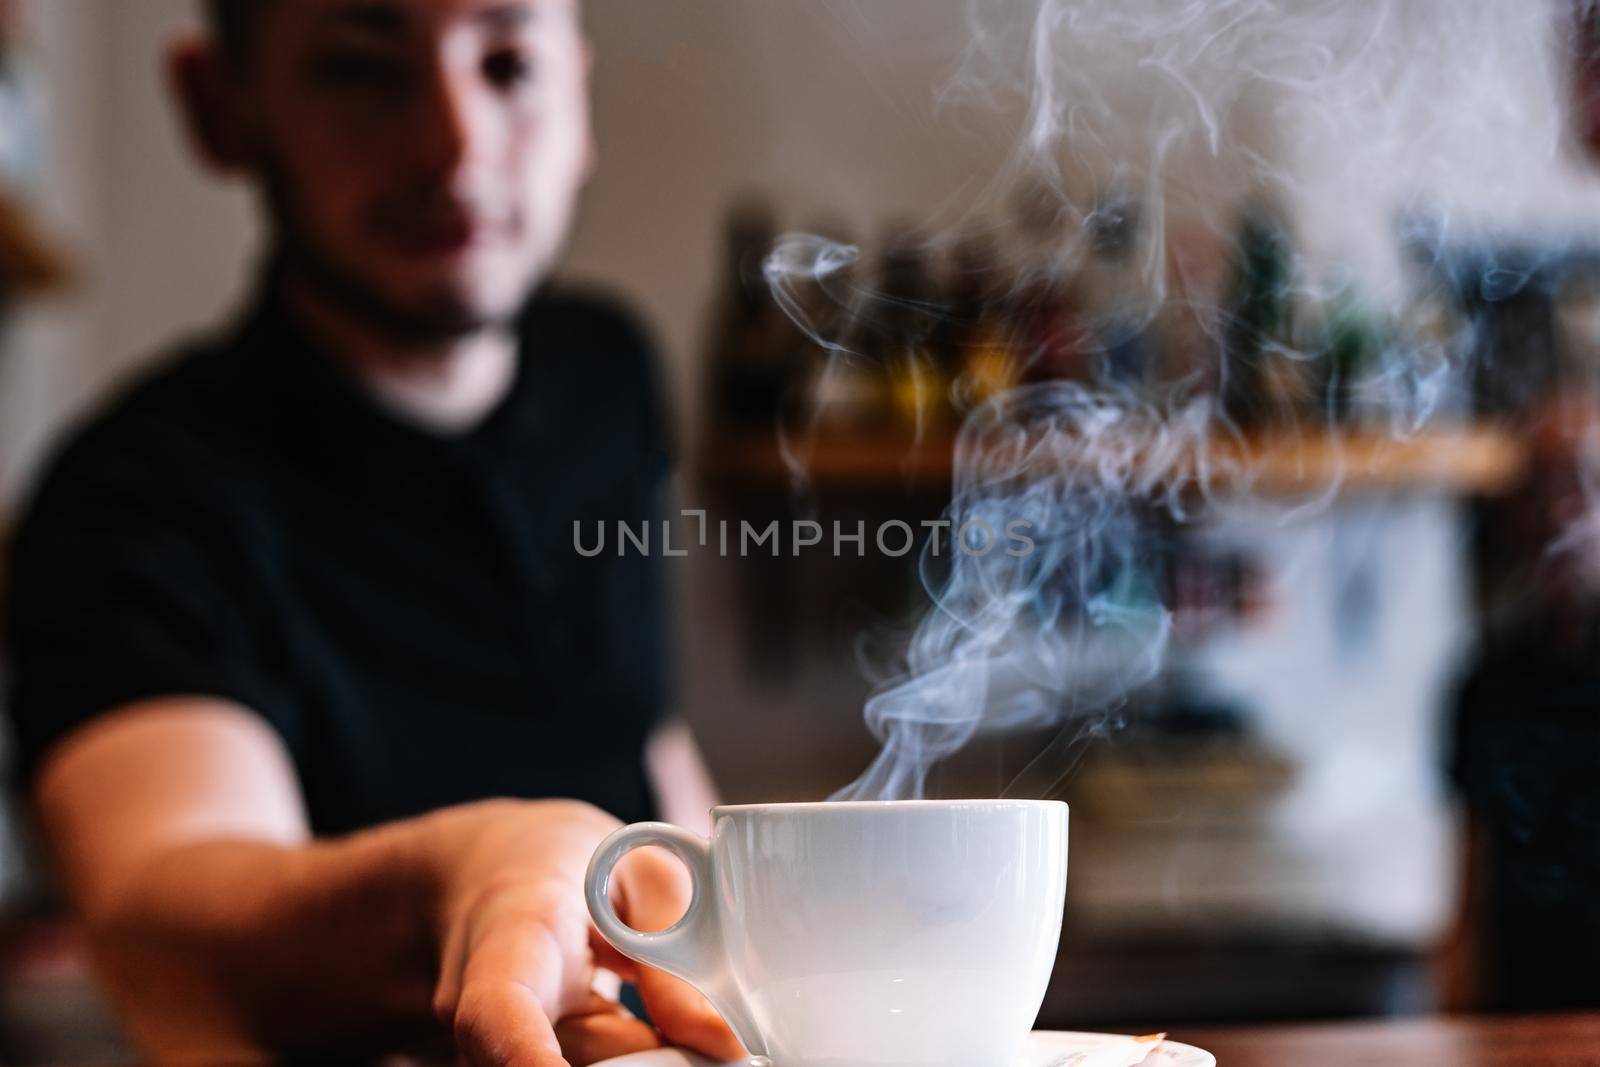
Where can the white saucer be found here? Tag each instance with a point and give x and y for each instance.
(1046, 1048)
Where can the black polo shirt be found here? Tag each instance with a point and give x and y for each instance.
(405, 608)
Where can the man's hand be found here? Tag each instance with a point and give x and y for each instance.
(516, 977)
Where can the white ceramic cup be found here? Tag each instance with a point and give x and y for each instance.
(862, 934)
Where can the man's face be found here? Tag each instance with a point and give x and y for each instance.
(422, 157)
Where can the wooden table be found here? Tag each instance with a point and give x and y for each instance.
(1489, 1041)
(1512, 1041)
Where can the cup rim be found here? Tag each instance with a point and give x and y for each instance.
(884, 806)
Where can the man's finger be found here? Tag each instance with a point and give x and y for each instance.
(603, 1031)
(651, 889)
(452, 962)
(685, 1017)
(607, 956)
(517, 977)
(504, 1025)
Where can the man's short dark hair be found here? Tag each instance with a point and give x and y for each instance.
(233, 23)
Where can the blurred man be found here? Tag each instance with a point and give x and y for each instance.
(286, 614)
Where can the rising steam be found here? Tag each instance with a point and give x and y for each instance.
(1059, 626)
(1385, 131)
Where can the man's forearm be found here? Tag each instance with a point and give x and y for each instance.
(222, 928)
(252, 945)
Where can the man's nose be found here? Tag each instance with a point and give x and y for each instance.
(447, 135)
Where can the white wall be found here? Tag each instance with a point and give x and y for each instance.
(41, 359)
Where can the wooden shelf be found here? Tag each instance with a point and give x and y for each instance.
(1473, 460)
(850, 461)
(1465, 460)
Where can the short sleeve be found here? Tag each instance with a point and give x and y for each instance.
(126, 585)
(628, 372)
(657, 433)
(627, 432)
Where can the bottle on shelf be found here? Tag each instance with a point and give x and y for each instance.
(841, 388)
(1351, 345)
(1050, 334)
(1264, 378)
(1044, 297)
(1123, 307)
(902, 326)
(749, 367)
(979, 349)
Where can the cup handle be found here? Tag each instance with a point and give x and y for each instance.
(690, 948)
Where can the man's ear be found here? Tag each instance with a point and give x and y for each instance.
(207, 95)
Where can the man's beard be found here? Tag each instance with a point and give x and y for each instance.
(434, 320)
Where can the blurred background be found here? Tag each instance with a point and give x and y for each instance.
(1366, 767)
